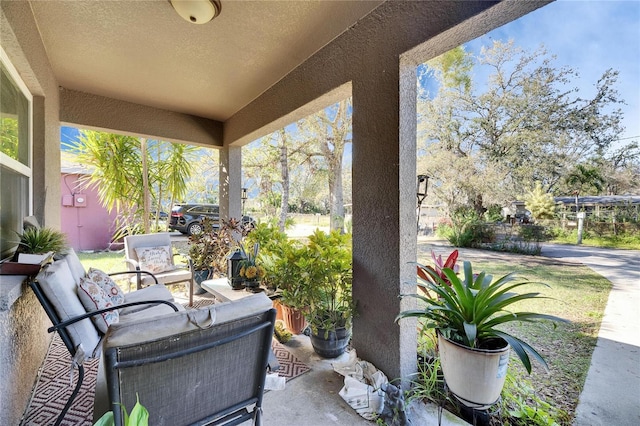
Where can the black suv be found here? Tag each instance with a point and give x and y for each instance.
(187, 218)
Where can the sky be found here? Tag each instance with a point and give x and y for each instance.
(588, 36)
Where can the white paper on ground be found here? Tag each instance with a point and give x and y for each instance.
(362, 383)
(274, 382)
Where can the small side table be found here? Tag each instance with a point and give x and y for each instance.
(222, 291)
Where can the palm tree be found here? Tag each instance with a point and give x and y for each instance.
(126, 176)
(175, 171)
(584, 178)
(114, 161)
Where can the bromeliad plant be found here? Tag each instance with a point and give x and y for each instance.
(468, 310)
(439, 266)
(139, 416)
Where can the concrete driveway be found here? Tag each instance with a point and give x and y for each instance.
(611, 394)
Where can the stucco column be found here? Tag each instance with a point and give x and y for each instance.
(384, 221)
(230, 182)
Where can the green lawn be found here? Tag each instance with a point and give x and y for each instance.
(626, 242)
(105, 261)
(577, 294)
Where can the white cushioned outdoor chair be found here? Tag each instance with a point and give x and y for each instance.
(154, 253)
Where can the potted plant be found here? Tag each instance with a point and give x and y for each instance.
(250, 271)
(283, 272)
(36, 246)
(326, 267)
(204, 248)
(466, 313)
(279, 257)
(208, 250)
(39, 241)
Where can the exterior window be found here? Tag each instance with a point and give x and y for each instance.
(15, 154)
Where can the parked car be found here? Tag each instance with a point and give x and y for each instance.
(187, 218)
(162, 215)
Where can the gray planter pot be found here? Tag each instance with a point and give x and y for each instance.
(330, 344)
(200, 275)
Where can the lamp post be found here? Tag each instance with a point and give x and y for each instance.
(244, 198)
(421, 192)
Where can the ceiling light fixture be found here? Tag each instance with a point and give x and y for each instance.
(197, 11)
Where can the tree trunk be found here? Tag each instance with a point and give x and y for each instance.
(145, 187)
(335, 190)
(284, 171)
(158, 207)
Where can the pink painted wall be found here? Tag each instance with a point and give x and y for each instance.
(87, 224)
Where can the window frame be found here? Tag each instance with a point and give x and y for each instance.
(12, 164)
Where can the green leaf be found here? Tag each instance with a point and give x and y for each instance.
(105, 420)
(139, 415)
(471, 334)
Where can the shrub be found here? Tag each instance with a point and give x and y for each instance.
(493, 213)
(462, 223)
(540, 203)
(482, 233)
(533, 233)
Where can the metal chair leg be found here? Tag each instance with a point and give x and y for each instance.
(75, 392)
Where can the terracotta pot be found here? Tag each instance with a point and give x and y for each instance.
(278, 307)
(293, 319)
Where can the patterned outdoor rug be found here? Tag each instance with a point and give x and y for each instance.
(53, 388)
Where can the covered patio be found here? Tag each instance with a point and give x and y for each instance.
(138, 68)
(310, 396)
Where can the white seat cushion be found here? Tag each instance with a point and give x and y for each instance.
(146, 329)
(150, 311)
(154, 292)
(59, 286)
(171, 277)
(76, 267)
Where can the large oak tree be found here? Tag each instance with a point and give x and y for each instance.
(488, 143)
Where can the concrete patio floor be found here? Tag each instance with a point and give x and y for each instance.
(312, 399)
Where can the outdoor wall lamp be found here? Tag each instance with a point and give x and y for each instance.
(197, 11)
(423, 182)
(244, 198)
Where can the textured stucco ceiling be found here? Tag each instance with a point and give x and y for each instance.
(143, 52)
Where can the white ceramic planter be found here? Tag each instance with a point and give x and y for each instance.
(474, 376)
